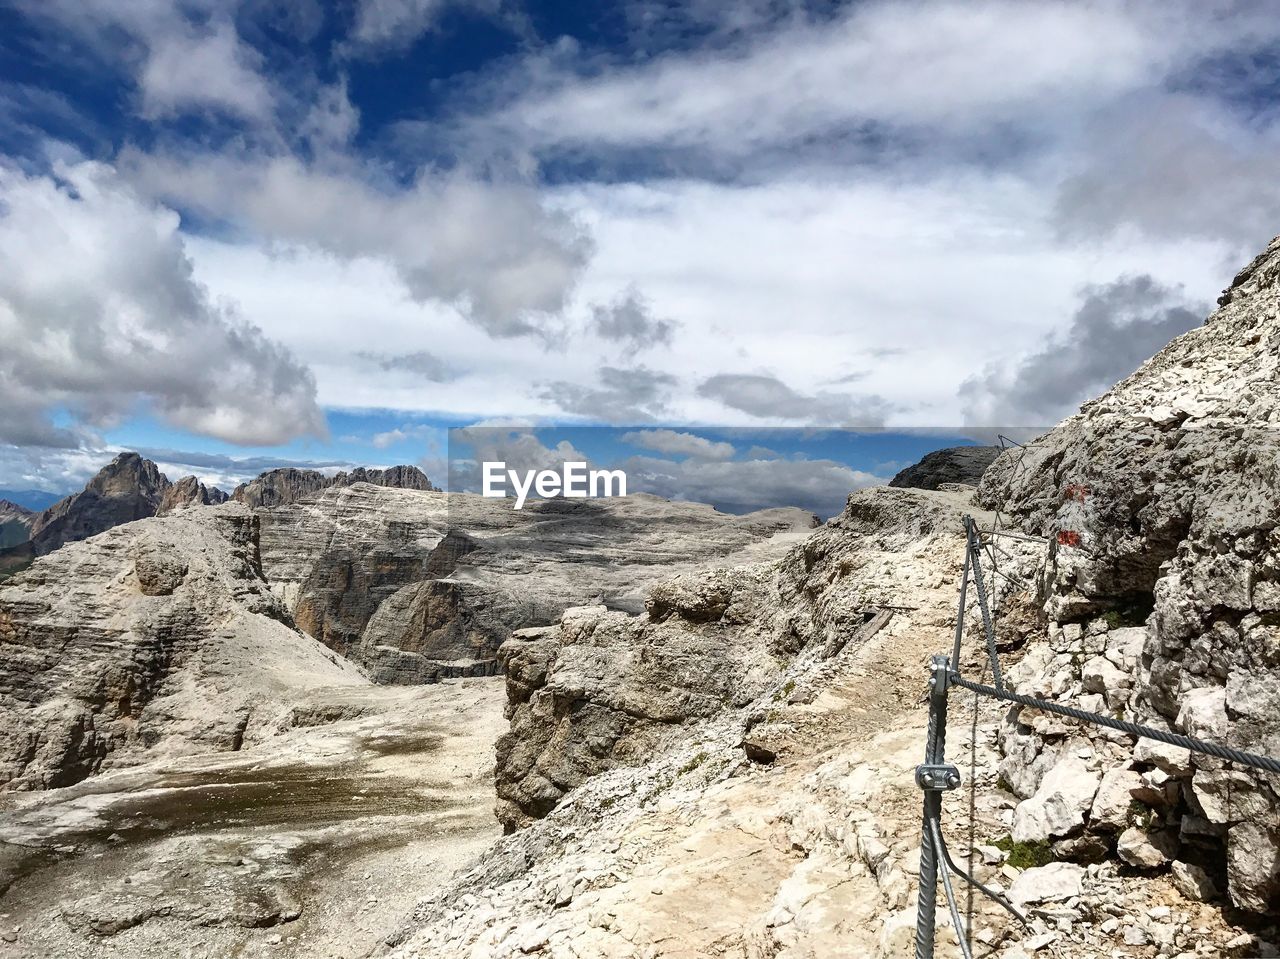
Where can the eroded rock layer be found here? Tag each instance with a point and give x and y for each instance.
(157, 635)
(418, 585)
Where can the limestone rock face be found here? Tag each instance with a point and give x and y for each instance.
(417, 585)
(958, 464)
(126, 489)
(154, 636)
(280, 487)
(1162, 501)
(189, 491)
(604, 689)
(395, 477)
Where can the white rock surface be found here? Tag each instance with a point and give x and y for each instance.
(1060, 804)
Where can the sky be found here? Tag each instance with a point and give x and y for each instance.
(243, 233)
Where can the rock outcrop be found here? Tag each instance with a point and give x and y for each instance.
(603, 689)
(1162, 588)
(281, 487)
(957, 464)
(418, 585)
(727, 773)
(155, 636)
(127, 489)
(189, 491)
(394, 477)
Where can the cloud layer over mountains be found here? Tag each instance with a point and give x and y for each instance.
(740, 213)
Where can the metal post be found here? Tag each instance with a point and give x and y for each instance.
(934, 776)
(964, 594)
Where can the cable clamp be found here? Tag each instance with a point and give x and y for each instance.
(937, 777)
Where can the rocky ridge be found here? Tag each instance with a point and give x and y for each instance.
(189, 491)
(957, 464)
(159, 636)
(281, 487)
(131, 487)
(418, 585)
(15, 523)
(1162, 592)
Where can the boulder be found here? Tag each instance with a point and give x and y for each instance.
(1055, 882)
(1146, 850)
(1113, 803)
(1253, 867)
(1060, 803)
(1193, 882)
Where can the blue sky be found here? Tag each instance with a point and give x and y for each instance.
(251, 231)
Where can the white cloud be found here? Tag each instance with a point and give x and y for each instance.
(184, 57)
(909, 226)
(490, 249)
(931, 68)
(98, 311)
(636, 395)
(203, 68)
(767, 397)
(629, 320)
(1116, 328)
(920, 286)
(820, 486)
(676, 443)
(1175, 166)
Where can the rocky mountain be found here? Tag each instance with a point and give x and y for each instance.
(159, 637)
(712, 720)
(281, 487)
(416, 585)
(131, 487)
(1162, 592)
(957, 464)
(15, 523)
(126, 489)
(114, 643)
(189, 491)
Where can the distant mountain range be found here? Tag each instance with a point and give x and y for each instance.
(131, 487)
(15, 523)
(35, 500)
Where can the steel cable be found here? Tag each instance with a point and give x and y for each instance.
(1265, 763)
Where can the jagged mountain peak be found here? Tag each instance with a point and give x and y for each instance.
(280, 487)
(12, 510)
(128, 488)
